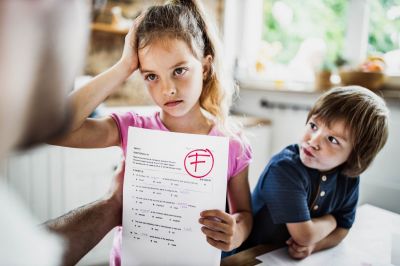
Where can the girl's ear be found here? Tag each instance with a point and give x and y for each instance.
(207, 66)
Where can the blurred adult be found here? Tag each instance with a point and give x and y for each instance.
(42, 45)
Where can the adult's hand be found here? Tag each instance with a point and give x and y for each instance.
(84, 227)
(114, 194)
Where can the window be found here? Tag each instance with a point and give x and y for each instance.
(290, 23)
(286, 41)
(300, 37)
(384, 36)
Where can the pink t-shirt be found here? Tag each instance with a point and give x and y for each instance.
(239, 157)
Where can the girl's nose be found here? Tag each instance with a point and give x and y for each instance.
(172, 91)
(169, 88)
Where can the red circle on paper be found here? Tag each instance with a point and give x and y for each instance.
(204, 152)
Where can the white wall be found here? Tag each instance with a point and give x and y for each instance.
(380, 184)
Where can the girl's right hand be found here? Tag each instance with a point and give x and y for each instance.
(130, 54)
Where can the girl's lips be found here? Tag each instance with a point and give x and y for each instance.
(173, 103)
(307, 152)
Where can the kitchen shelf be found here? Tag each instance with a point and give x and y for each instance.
(304, 89)
(109, 28)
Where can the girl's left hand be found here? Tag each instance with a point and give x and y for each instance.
(219, 228)
(297, 251)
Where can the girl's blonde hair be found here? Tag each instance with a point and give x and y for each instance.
(185, 20)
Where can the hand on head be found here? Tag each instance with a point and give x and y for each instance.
(130, 53)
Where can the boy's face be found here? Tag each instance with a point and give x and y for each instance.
(325, 148)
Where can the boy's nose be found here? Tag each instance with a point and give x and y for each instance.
(314, 141)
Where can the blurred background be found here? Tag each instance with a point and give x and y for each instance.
(282, 53)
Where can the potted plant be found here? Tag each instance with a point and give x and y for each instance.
(323, 76)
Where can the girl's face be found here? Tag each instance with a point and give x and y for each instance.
(173, 75)
(324, 148)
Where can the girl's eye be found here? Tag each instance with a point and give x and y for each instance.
(313, 126)
(151, 77)
(333, 140)
(180, 71)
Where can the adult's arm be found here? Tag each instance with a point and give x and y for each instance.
(84, 227)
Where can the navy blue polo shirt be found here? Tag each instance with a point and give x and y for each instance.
(289, 192)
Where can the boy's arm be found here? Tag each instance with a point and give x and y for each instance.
(297, 251)
(312, 231)
(332, 239)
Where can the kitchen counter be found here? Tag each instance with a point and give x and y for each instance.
(304, 90)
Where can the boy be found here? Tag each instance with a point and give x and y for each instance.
(307, 195)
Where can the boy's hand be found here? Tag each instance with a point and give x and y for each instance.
(219, 228)
(297, 251)
(130, 53)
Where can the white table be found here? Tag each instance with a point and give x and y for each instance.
(374, 239)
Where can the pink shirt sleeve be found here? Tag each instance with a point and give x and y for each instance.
(240, 156)
(123, 122)
(130, 119)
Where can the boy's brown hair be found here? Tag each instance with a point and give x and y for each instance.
(365, 115)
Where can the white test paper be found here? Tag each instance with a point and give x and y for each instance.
(169, 179)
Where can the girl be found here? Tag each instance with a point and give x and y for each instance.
(176, 53)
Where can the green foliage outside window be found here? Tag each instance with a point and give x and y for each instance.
(383, 32)
(327, 19)
(324, 19)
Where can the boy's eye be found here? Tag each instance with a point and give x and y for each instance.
(313, 126)
(333, 140)
(179, 71)
(150, 77)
